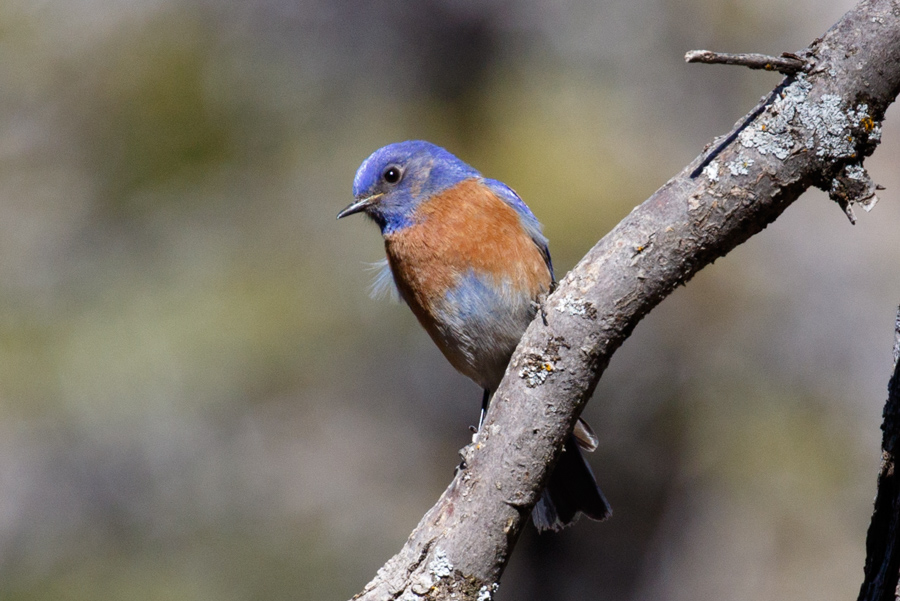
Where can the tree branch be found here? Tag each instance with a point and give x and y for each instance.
(882, 549)
(787, 63)
(816, 130)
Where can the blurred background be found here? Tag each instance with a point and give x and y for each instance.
(199, 401)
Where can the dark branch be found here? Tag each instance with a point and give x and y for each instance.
(824, 120)
(787, 63)
(883, 540)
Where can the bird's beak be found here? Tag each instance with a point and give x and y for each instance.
(360, 205)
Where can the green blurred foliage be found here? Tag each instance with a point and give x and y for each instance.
(150, 120)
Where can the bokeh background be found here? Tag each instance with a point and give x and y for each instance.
(199, 401)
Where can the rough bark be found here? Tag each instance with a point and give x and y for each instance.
(814, 130)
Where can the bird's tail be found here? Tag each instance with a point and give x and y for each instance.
(572, 490)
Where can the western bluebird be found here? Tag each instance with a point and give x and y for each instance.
(470, 259)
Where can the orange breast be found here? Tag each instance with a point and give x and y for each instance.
(465, 228)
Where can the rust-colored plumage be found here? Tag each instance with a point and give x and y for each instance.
(465, 228)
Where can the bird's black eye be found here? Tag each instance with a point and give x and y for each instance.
(392, 174)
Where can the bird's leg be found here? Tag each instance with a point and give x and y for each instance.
(485, 400)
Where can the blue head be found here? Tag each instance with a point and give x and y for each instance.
(395, 179)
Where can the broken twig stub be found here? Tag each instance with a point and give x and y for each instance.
(787, 63)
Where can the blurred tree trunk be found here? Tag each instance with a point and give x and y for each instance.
(814, 130)
(883, 540)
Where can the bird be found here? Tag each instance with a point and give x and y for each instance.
(470, 259)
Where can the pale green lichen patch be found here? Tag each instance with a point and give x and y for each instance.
(712, 171)
(536, 371)
(771, 133)
(424, 583)
(793, 123)
(440, 566)
(739, 166)
(577, 307)
(537, 367)
(831, 126)
(856, 172)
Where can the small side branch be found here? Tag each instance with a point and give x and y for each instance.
(787, 63)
